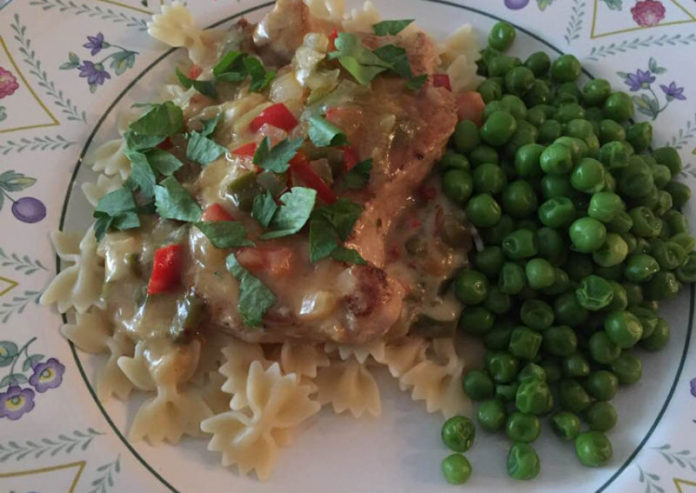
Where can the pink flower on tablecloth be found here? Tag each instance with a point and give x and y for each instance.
(8, 83)
(648, 12)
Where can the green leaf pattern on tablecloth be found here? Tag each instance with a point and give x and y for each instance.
(65, 443)
(37, 143)
(93, 11)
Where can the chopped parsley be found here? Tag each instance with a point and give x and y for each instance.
(115, 210)
(162, 120)
(360, 62)
(330, 223)
(358, 176)
(323, 133)
(163, 162)
(236, 66)
(200, 147)
(255, 298)
(341, 215)
(264, 208)
(348, 255)
(397, 59)
(292, 215)
(142, 177)
(205, 87)
(386, 28)
(225, 234)
(172, 201)
(417, 82)
(276, 159)
(322, 239)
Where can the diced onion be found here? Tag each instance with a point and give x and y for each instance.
(317, 305)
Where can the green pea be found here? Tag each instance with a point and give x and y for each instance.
(535, 115)
(611, 273)
(572, 396)
(556, 186)
(536, 314)
(594, 293)
(498, 128)
(619, 107)
(502, 35)
(452, 160)
(659, 338)
(668, 254)
(490, 91)
(587, 234)
(478, 385)
(613, 252)
(588, 176)
(526, 133)
(515, 106)
(497, 302)
(498, 66)
(522, 427)
(457, 185)
(613, 155)
(523, 462)
(610, 131)
(596, 91)
(647, 318)
(605, 206)
(687, 271)
(649, 200)
(566, 68)
(579, 128)
(532, 371)
(669, 156)
(602, 385)
(491, 415)
(519, 80)
(527, 160)
(502, 366)
(551, 245)
(540, 273)
(456, 468)
(512, 278)
(538, 62)
(493, 105)
(458, 433)
(641, 268)
(483, 154)
(499, 337)
(560, 340)
(569, 111)
(552, 370)
(534, 397)
(505, 393)
(568, 92)
(680, 193)
(520, 244)
(593, 448)
(483, 211)
(622, 223)
(489, 178)
(561, 283)
(557, 212)
(495, 234)
(578, 147)
(471, 287)
(489, 260)
(466, 136)
(476, 320)
(676, 222)
(620, 300)
(661, 175)
(663, 286)
(549, 131)
(686, 241)
(640, 135)
(524, 343)
(601, 416)
(539, 92)
(576, 366)
(556, 159)
(569, 311)
(519, 199)
(602, 349)
(566, 425)
(623, 328)
(627, 368)
(579, 266)
(634, 293)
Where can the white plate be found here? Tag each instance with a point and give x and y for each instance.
(70, 442)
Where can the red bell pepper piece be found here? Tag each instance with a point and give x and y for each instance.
(300, 167)
(274, 261)
(216, 212)
(246, 150)
(332, 39)
(277, 115)
(165, 144)
(166, 269)
(442, 80)
(194, 72)
(350, 157)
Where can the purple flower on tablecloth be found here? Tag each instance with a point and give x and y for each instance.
(95, 43)
(95, 73)
(640, 80)
(648, 12)
(693, 387)
(47, 375)
(8, 83)
(16, 402)
(673, 92)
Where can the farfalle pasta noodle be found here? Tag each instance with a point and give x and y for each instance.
(348, 386)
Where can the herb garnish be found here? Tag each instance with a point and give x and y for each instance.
(393, 28)
(255, 298)
(292, 215)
